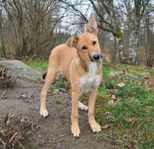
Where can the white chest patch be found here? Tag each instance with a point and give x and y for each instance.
(90, 80)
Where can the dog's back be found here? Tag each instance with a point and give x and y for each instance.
(63, 56)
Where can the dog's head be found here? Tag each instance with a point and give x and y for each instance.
(87, 44)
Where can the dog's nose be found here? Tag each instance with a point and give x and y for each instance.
(96, 56)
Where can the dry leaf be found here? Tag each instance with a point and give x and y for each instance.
(107, 113)
(146, 77)
(111, 102)
(114, 97)
(120, 84)
(132, 121)
(139, 83)
(110, 91)
(106, 126)
(125, 70)
(114, 100)
(131, 145)
(146, 104)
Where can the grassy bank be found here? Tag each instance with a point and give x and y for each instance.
(127, 113)
(125, 105)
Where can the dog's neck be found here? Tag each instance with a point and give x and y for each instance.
(89, 67)
(82, 62)
(92, 68)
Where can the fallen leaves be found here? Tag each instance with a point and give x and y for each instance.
(110, 91)
(129, 93)
(5, 79)
(125, 70)
(149, 84)
(131, 145)
(132, 121)
(120, 84)
(114, 100)
(16, 129)
(59, 91)
(106, 126)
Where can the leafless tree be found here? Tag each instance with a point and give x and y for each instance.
(28, 25)
(123, 19)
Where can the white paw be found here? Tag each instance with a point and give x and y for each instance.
(81, 106)
(95, 127)
(44, 113)
(75, 131)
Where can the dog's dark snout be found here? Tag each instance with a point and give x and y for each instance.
(96, 56)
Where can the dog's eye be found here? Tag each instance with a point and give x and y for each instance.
(84, 47)
(94, 42)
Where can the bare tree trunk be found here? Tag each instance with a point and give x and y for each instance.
(1, 35)
(149, 44)
(114, 52)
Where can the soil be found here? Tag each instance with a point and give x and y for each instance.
(54, 131)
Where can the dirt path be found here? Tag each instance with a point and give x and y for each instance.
(54, 131)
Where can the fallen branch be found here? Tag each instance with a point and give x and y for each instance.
(15, 131)
(6, 80)
(3, 94)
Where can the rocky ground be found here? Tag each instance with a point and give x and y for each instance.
(54, 131)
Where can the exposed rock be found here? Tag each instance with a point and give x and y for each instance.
(18, 69)
(2, 58)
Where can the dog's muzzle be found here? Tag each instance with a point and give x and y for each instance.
(96, 56)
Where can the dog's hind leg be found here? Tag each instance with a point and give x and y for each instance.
(52, 71)
(81, 106)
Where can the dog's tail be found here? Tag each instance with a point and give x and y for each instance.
(43, 76)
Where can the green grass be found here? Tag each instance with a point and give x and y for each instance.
(37, 64)
(61, 84)
(135, 102)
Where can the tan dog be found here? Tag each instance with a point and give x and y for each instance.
(80, 60)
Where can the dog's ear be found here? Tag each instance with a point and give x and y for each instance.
(72, 41)
(92, 25)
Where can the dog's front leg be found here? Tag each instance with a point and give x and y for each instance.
(74, 115)
(93, 124)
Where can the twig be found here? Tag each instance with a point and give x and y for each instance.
(21, 145)
(54, 146)
(2, 141)
(13, 137)
(34, 125)
(3, 94)
(16, 127)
